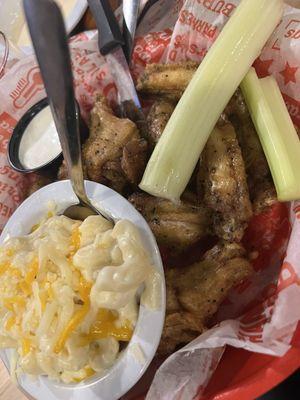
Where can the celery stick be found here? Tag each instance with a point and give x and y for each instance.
(276, 131)
(218, 76)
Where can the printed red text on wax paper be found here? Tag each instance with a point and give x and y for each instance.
(218, 6)
(288, 276)
(7, 124)
(185, 48)
(253, 322)
(10, 190)
(297, 210)
(290, 31)
(5, 211)
(201, 26)
(150, 48)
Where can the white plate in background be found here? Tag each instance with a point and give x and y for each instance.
(12, 20)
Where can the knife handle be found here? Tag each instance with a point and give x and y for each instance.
(109, 32)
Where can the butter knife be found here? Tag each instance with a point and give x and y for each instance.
(110, 42)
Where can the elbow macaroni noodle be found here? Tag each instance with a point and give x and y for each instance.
(68, 295)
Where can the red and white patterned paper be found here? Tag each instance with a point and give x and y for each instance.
(175, 30)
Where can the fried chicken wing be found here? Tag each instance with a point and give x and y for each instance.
(180, 328)
(176, 226)
(222, 184)
(195, 293)
(114, 153)
(157, 119)
(168, 80)
(213, 279)
(261, 187)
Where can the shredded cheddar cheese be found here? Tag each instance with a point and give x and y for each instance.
(84, 291)
(75, 241)
(88, 372)
(104, 327)
(14, 301)
(3, 268)
(10, 322)
(26, 346)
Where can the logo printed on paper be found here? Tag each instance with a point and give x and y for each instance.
(253, 322)
(289, 73)
(294, 29)
(287, 277)
(291, 30)
(27, 88)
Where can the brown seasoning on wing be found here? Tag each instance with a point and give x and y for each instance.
(169, 80)
(176, 226)
(222, 184)
(114, 154)
(157, 119)
(261, 187)
(195, 293)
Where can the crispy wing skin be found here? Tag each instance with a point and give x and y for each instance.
(157, 119)
(222, 184)
(176, 226)
(168, 80)
(225, 251)
(133, 159)
(195, 293)
(260, 182)
(180, 328)
(114, 153)
(213, 280)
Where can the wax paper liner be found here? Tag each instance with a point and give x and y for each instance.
(173, 31)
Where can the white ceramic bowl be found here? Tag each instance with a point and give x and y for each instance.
(129, 368)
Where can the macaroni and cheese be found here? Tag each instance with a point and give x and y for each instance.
(69, 295)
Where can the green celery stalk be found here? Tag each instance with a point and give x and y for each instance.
(276, 132)
(218, 76)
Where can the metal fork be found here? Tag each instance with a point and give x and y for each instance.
(49, 38)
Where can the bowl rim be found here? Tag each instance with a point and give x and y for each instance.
(127, 369)
(16, 137)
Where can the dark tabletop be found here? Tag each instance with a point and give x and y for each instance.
(287, 390)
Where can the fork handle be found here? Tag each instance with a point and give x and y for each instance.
(49, 38)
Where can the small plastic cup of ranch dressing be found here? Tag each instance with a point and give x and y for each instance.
(34, 145)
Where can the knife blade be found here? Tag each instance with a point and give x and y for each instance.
(110, 42)
(130, 16)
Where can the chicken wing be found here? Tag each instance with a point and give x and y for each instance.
(176, 226)
(222, 184)
(261, 187)
(157, 119)
(213, 278)
(195, 293)
(114, 154)
(168, 80)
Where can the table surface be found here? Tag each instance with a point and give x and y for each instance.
(8, 391)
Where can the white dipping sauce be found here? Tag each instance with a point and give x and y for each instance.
(40, 143)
